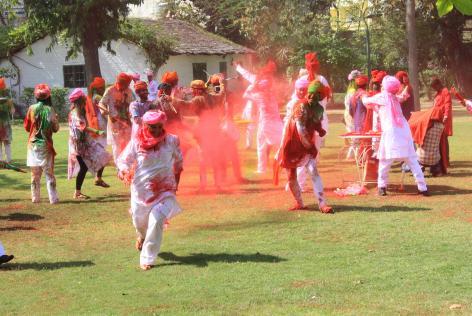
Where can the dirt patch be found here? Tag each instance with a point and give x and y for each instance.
(12, 207)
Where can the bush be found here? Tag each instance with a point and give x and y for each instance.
(58, 99)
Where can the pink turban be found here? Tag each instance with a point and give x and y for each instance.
(135, 77)
(391, 84)
(353, 74)
(154, 117)
(302, 83)
(76, 94)
(149, 72)
(42, 91)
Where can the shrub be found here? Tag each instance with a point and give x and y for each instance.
(58, 99)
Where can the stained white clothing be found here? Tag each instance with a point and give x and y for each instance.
(412, 162)
(152, 189)
(2, 250)
(152, 88)
(7, 146)
(36, 173)
(396, 142)
(347, 116)
(468, 105)
(137, 109)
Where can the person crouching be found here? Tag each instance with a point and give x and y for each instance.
(155, 158)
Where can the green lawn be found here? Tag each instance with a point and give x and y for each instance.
(242, 252)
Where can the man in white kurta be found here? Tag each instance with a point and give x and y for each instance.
(156, 161)
(396, 142)
(152, 85)
(270, 126)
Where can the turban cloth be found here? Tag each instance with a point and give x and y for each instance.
(42, 91)
(164, 86)
(140, 85)
(149, 72)
(124, 78)
(154, 117)
(301, 83)
(353, 74)
(97, 83)
(316, 87)
(170, 77)
(378, 75)
(312, 65)
(361, 80)
(76, 94)
(215, 79)
(135, 77)
(197, 84)
(400, 75)
(2, 84)
(391, 84)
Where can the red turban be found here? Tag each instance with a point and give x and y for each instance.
(362, 80)
(124, 78)
(312, 65)
(378, 75)
(42, 91)
(400, 75)
(140, 85)
(2, 84)
(97, 83)
(170, 77)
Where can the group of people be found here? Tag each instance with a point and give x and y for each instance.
(149, 139)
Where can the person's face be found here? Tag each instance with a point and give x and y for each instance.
(150, 77)
(197, 92)
(405, 80)
(143, 94)
(155, 130)
(100, 91)
(310, 97)
(301, 92)
(123, 83)
(376, 86)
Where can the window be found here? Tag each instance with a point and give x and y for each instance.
(223, 68)
(199, 71)
(74, 76)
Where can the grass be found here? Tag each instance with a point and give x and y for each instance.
(242, 252)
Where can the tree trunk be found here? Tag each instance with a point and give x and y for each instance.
(412, 51)
(458, 54)
(91, 57)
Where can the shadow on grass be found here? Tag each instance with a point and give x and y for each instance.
(438, 189)
(21, 217)
(202, 259)
(15, 228)
(38, 266)
(383, 208)
(103, 198)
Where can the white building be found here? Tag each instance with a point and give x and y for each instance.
(195, 53)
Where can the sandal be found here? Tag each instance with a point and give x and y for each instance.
(101, 183)
(81, 196)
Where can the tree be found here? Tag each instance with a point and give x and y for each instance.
(84, 25)
(412, 51)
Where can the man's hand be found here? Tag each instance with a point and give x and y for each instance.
(322, 133)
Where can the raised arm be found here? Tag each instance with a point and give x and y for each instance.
(246, 74)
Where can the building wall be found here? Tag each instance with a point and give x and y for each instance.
(47, 67)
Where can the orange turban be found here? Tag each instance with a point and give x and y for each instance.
(215, 80)
(140, 85)
(2, 84)
(124, 78)
(362, 80)
(312, 65)
(198, 84)
(170, 77)
(97, 83)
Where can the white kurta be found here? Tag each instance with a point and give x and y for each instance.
(152, 88)
(396, 141)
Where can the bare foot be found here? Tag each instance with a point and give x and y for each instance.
(326, 209)
(139, 243)
(146, 267)
(298, 207)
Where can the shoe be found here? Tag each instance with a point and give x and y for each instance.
(424, 193)
(6, 258)
(101, 183)
(382, 191)
(326, 209)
